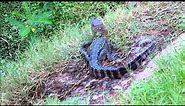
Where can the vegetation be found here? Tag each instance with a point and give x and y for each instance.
(167, 86)
(37, 35)
(37, 20)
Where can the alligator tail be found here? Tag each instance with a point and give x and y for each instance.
(101, 71)
(84, 54)
(112, 72)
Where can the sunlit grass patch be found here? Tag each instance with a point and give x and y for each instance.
(167, 85)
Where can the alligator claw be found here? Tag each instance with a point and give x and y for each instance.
(114, 56)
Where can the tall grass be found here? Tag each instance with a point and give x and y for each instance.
(41, 56)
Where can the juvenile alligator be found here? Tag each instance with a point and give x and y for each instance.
(100, 49)
(95, 55)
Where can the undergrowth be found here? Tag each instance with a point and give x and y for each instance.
(38, 20)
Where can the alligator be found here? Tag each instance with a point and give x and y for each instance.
(100, 49)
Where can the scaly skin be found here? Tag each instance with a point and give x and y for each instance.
(100, 49)
(93, 58)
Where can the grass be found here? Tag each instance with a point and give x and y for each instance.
(40, 57)
(62, 15)
(64, 45)
(70, 101)
(167, 85)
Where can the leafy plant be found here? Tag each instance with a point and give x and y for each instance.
(29, 20)
(63, 15)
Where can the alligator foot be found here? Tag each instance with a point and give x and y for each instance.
(113, 56)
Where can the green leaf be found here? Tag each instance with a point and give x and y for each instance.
(41, 18)
(44, 15)
(43, 21)
(16, 13)
(16, 23)
(24, 31)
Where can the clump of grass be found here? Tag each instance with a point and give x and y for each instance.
(121, 26)
(70, 101)
(52, 101)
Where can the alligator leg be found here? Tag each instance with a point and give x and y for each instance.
(84, 54)
(114, 56)
(105, 53)
(102, 55)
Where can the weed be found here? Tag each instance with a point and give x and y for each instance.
(41, 56)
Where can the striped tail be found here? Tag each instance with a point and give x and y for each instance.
(99, 71)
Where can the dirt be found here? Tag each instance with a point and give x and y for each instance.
(77, 82)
